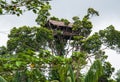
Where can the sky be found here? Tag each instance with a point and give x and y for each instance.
(108, 10)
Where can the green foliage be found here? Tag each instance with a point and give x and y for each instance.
(23, 66)
(54, 18)
(55, 81)
(92, 12)
(27, 59)
(110, 37)
(43, 14)
(60, 46)
(79, 58)
(92, 44)
(2, 79)
(79, 61)
(3, 50)
(25, 38)
(59, 68)
(72, 74)
(19, 6)
(95, 72)
(1, 11)
(83, 29)
(66, 22)
(118, 76)
(107, 72)
(108, 69)
(75, 18)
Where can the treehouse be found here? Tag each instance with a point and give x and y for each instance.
(60, 29)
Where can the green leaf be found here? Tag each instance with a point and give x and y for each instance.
(0, 10)
(18, 63)
(2, 79)
(95, 72)
(55, 81)
(72, 74)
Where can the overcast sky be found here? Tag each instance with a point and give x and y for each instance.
(108, 10)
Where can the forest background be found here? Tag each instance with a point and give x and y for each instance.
(66, 15)
(108, 10)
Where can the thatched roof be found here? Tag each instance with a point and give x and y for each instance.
(60, 23)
